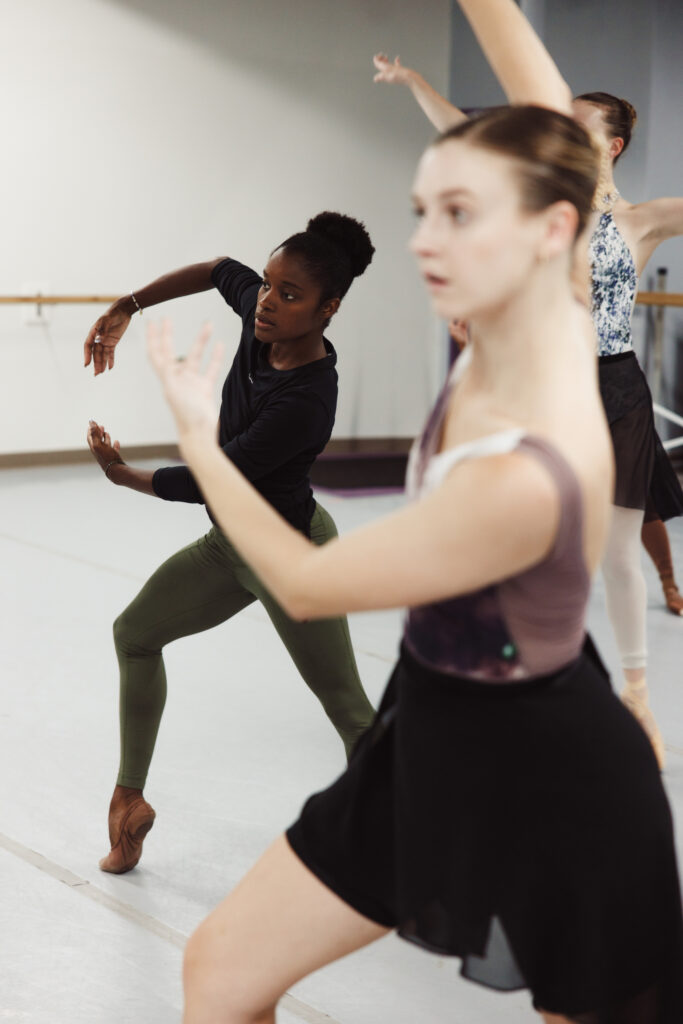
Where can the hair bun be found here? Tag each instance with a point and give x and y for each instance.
(631, 111)
(345, 233)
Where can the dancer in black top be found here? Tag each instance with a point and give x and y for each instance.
(277, 413)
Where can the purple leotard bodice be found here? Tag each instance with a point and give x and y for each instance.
(521, 627)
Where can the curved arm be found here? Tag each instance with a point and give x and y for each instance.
(517, 56)
(105, 334)
(442, 114)
(662, 219)
(136, 479)
(436, 548)
(187, 280)
(111, 462)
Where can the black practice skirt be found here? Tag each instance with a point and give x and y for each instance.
(522, 827)
(645, 478)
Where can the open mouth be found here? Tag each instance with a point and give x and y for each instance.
(434, 281)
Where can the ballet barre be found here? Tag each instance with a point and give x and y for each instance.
(659, 299)
(642, 299)
(57, 300)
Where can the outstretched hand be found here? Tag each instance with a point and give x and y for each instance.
(100, 444)
(391, 72)
(188, 389)
(103, 338)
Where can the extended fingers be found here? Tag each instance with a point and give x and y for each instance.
(94, 434)
(215, 363)
(160, 346)
(99, 361)
(385, 67)
(194, 356)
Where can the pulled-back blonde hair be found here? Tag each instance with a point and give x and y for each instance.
(555, 158)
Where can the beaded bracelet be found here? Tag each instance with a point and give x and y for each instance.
(114, 462)
(139, 307)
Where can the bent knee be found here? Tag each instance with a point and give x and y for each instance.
(129, 636)
(220, 978)
(122, 629)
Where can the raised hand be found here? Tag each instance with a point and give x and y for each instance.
(188, 389)
(99, 442)
(392, 72)
(103, 338)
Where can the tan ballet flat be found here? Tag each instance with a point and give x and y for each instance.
(128, 827)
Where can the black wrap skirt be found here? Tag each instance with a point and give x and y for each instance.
(522, 827)
(645, 478)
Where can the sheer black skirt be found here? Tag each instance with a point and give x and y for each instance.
(645, 478)
(522, 827)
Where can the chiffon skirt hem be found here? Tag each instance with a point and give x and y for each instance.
(645, 477)
(521, 827)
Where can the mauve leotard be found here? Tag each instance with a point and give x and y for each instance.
(528, 625)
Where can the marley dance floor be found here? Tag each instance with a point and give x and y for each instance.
(241, 745)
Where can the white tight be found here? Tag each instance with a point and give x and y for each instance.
(625, 587)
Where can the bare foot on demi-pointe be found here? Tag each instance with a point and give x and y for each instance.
(672, 595)
(130, 819)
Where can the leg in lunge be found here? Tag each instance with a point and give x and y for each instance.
(323, 654)
(626, 594)
(192, 591)
(278, 925)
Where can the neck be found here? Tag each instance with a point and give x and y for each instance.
(287, 355)
(605, 187)
(516, 346)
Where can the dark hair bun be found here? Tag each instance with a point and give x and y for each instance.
(347, 234)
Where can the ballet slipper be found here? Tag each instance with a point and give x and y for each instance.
(635, 699)
(672, 595)
(129, 823)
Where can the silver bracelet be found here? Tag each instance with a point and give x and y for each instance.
(114, 462)
(139, 307)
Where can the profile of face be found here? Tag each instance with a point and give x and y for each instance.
(288, 306)
(476, 246)
(592, 117)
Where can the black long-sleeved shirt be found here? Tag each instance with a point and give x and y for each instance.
(273, 423)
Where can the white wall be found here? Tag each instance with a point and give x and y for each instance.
(139, 135)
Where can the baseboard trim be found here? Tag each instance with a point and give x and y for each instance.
(347, 464)
(76, 456)
(351, 463)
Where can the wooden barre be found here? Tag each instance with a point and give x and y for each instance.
(57, 300)
(659, 298)
(642, 298)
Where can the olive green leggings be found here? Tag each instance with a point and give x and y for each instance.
(199, 587)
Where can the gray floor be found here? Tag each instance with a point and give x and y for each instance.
(241, 745)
